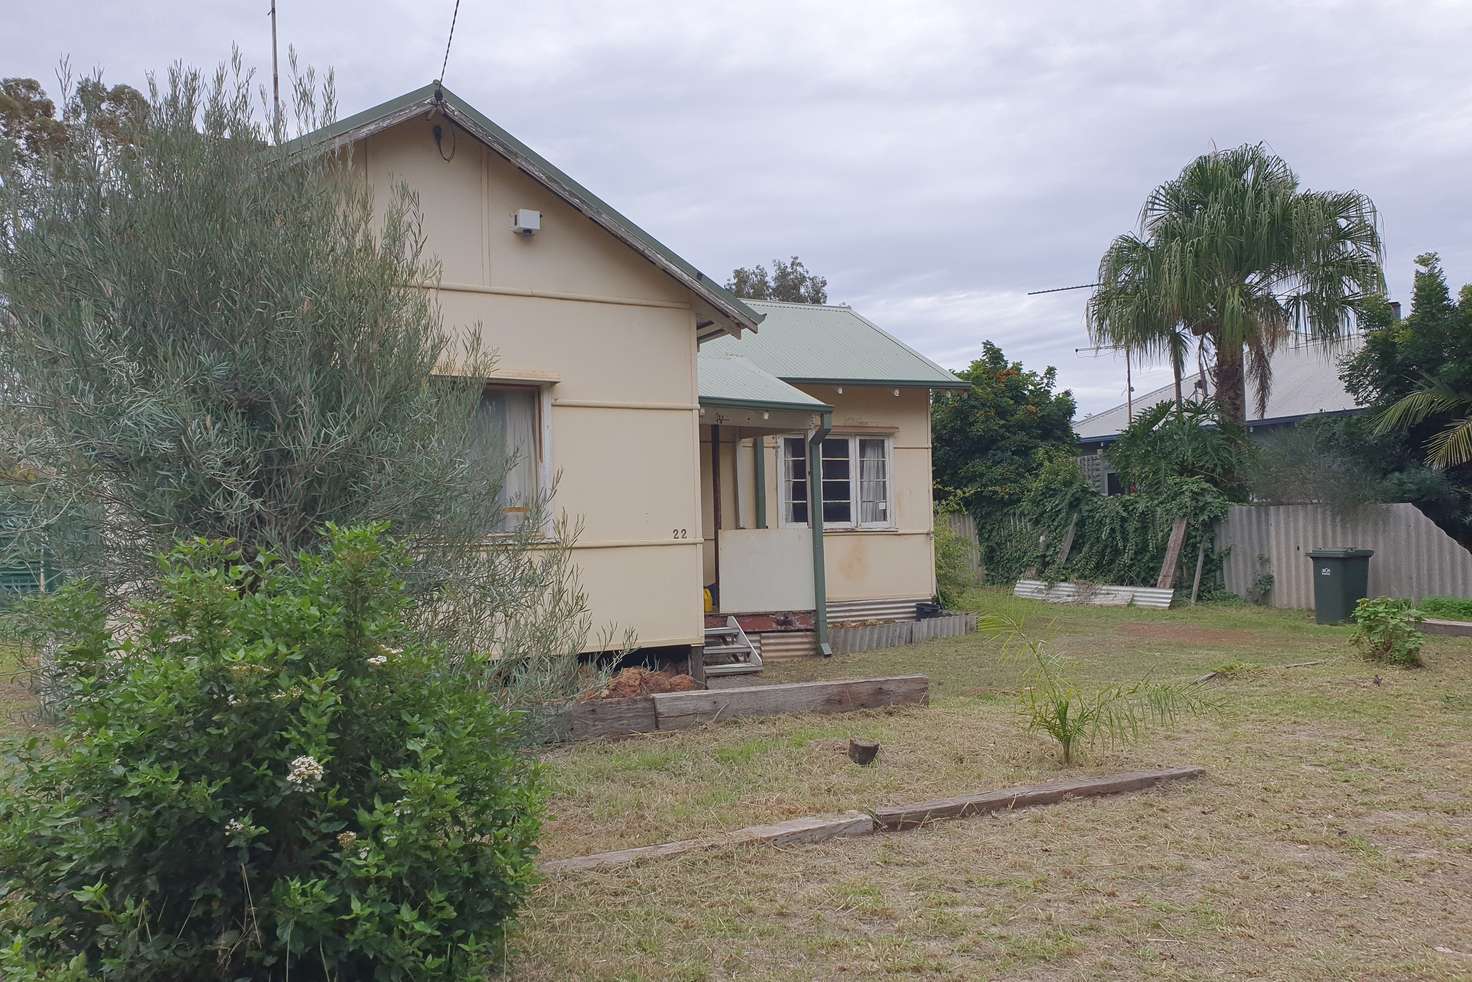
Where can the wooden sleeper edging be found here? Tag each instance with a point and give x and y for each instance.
(899, 817)
(820, 828)
(814, 828)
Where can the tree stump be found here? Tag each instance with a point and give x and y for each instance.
(861, 751)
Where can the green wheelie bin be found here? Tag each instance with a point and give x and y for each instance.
(1341, 580)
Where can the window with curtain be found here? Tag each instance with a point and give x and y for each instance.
(506, 428)
(873, 481)
(854, 480)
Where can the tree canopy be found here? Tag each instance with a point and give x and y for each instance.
(789, 281)
(1165, 443)
(1417, 373)
(32, 130)
(1234, 254)
(986, 441)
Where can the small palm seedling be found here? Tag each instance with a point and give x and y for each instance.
(1113, 715)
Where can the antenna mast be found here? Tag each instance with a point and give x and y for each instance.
(275, 80)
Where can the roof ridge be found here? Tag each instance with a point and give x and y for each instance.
(799, 303)
(539, 169)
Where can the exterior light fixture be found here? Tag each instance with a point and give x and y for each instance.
(526, 222)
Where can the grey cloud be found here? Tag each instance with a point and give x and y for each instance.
(935, 160)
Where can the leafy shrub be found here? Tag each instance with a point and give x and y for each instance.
(1166, 443)
(264, 776)
(953, 573)
(1116, 539)
(1313, 463)
(1451, 608)
(1073, 718)
(1387, 632)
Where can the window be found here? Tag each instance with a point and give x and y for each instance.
(838, 502)
(854, 481)
(506, 426)
(873, 480)
(795, 480)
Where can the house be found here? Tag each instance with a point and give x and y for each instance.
(1305, 383)
(820, 402)
(679, 422)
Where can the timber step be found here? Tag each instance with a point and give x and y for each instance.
(728, 651)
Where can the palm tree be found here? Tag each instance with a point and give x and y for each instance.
(1129, 314)
(1453, 445)
(1233, 254)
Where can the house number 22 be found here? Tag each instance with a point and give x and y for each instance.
(682, 533)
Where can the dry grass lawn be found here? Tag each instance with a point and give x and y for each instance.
(1331, 838)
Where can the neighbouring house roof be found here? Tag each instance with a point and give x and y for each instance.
(1305, 382)
(818, 343)
(436, 97)
(729, 379)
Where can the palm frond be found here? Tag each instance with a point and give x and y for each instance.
(1451, 447)
(1432, 399)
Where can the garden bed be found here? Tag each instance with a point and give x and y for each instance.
(1456, 629)
(612, 718)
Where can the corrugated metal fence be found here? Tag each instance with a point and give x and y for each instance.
(848, 640)
(1413, 558)
(964, 527)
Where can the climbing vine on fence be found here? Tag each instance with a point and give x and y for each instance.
(1119, 539)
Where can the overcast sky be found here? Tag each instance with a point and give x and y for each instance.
(935, 160)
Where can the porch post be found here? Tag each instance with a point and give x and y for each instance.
(759, 445)
(815, 522)
(715, 488)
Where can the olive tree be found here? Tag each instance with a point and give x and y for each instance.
(206, 332)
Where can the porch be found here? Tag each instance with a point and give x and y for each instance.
(763, 579)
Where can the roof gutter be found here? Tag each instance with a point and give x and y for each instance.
(797, 407)
(891, 383)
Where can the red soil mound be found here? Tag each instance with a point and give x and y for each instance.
(642, 682)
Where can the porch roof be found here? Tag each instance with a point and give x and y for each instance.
(729, 379)
(822, 344)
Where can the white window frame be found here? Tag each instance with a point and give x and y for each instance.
(784, 487)
(784, 514)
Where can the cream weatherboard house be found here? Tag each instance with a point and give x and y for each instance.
(775, 455)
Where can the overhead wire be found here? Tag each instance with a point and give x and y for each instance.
(449, 40)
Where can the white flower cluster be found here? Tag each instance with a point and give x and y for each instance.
(378, 660)
(346, 839)
(234, 827)
(305, 772)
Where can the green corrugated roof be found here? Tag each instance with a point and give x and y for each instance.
(827, 344)
(729, 379)
(540, 169)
